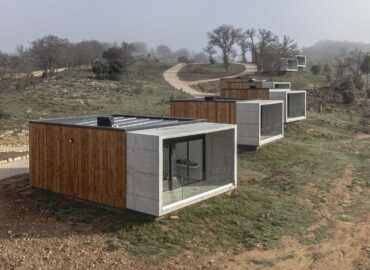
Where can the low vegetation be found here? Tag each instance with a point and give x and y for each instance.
(262, 210)
(78, 92)
(195, 72)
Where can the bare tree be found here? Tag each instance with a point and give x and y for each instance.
(268, 42)
(47, 52)
(164, 52)
(353, 62)
(365, 68)
(25, 63)
(210, 50)
(251, 37)
(244, 46)
(289, 47)
(224, 37)
(140, 48)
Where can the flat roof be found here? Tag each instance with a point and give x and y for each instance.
(120, 122)
(188, 130)
(234, 100)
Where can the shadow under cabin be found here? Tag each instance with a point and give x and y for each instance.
(258, 121)
(153, 165)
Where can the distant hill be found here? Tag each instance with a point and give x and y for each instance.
(325, 51)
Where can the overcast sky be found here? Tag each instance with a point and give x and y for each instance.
(180, 23)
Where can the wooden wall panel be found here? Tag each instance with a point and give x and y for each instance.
(91, 167)
(261, 93)
(213, 111)
(235, 83)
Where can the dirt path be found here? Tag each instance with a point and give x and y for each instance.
(14, 168)
(171, 77)
(30, 239)
(5, 149)
(346, 244)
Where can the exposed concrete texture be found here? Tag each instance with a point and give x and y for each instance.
(293, 99)
(289, 64)
(220, 157)
(145, 166)
(143, 185)
(259, 121)
(301, 61)
(276, 85)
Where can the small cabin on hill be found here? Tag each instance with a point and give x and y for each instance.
(258, 121)
(152, 165)
(294, 100)
(276, 85)
(233, 88)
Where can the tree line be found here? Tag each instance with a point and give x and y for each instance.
(265, 47)
(51, 52)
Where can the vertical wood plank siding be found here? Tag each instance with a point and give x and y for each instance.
(234, 83)
(246, 93)
(216, 112)
(91, 167)
(243, 89)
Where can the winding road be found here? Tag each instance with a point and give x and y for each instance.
(170, 75)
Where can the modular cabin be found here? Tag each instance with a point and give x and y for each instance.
(276, 85)
(294, 103)
(233, 88)
(294, 100)
(259, 121)
(289, 64)
(301, 61)
(152, 165)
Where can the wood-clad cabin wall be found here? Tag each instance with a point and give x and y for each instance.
(84, 163)
(216, 112)
(235, 83)
(262, 93)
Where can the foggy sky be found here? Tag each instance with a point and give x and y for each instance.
(180, 24)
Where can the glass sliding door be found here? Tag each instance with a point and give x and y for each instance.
(183, 166)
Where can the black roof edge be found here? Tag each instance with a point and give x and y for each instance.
(218, 99)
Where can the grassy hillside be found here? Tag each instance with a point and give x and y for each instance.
(303, 79)
(264, 208)
(77, 92)
(288, 188)
(325, 51)
(206, 71)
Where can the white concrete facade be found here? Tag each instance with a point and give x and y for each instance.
(145, 164)
(289, 64)
(301, 61)
(276, 85)
(254, 116)
(294, 103)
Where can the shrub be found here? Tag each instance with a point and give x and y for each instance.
(316, 69)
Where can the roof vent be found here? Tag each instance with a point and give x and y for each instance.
(105, 121)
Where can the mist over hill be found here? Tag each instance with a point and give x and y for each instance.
(327, 50)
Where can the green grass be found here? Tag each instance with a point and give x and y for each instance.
(77, 92)
(301, 80)
(207, 71)
(260, 211)
(11, 155)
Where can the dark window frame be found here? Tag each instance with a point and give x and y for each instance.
(187, 139)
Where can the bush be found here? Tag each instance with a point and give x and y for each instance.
(114, 63)
(359, 83)
(316, 69)
(348, 97)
